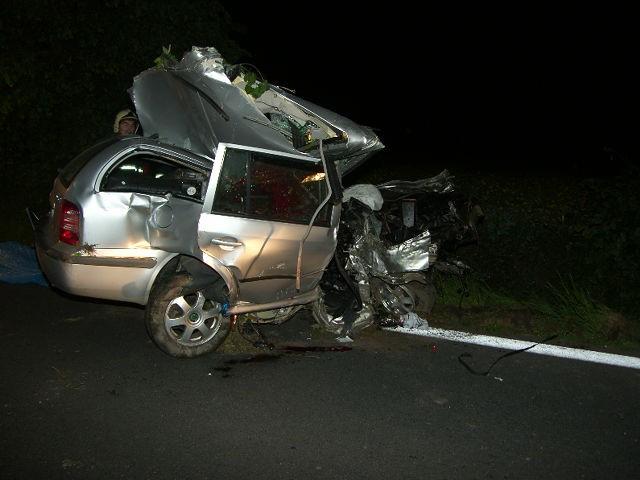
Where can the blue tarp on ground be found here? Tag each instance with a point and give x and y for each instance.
(18, 264)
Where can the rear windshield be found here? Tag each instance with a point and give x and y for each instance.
(68, 173)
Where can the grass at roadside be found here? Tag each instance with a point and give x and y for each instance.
(472, 292)
(563, 308)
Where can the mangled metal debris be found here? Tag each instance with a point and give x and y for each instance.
(386, 252)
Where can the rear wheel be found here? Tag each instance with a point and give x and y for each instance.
(184, 324)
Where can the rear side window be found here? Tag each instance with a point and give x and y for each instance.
(68, 173)
(148, 174)
(271, 187)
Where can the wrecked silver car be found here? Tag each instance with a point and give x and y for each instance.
(230, 204)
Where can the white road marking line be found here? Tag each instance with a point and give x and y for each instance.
(512, 344)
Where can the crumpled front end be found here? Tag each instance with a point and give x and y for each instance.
(387, 249)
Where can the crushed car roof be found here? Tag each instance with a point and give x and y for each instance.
(201, 101)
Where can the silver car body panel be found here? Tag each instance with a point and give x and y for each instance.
(138, 220)
(128, 237)
(188, 117)
(201, 108)
(123, 274)
(118, 258)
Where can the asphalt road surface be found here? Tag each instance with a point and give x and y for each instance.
(85, 394)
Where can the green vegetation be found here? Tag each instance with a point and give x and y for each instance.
(540, 229)
(254, 87)
(65, 76)
(561, 308)
(455, 291)
(166, 59)
(572, 310)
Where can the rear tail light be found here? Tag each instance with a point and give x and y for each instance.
(69, 231)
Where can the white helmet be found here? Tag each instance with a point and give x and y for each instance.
(125, 115)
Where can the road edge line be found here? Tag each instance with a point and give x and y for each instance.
(513, 344)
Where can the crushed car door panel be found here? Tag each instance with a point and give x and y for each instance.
(256, 215)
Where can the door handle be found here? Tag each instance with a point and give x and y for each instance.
(226, 242)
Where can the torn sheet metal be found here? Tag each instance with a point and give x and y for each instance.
(353, 143)
(412, 255)
(194, 105)
(197, 112)
(391, 238)
(205, 61)
(369, 256)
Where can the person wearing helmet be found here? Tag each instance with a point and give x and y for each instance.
(126, 123)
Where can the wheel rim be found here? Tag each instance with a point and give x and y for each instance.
(398, 299)
(192, 320)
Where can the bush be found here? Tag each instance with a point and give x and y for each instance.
(538, 227)
(65, 76)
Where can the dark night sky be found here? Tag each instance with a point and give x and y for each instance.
(520, 90)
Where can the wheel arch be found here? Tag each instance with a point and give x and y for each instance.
(195, 266)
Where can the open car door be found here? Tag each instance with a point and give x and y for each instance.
(256, 214)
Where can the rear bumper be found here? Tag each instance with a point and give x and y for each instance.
(101, 274)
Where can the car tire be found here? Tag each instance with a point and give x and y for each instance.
(184, 325)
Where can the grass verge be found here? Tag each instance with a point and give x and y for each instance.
(564, 308)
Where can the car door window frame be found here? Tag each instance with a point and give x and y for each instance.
(162, 155)
(216, 177)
